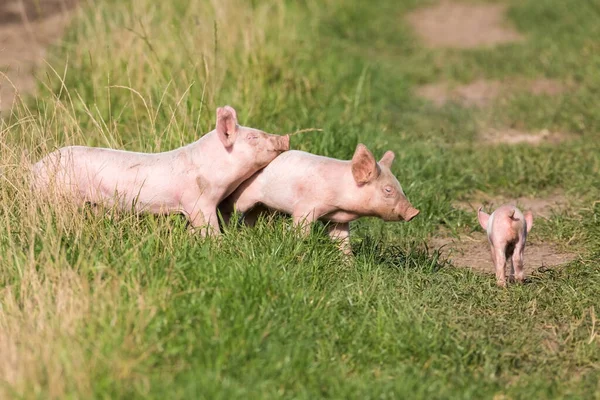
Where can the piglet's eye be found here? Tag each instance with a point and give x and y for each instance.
(388, 190)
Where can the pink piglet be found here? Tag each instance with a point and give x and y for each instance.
(507, 229)
(310, 187)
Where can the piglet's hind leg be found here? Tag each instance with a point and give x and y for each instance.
(252, 215)
(500, 265)
(517, 260)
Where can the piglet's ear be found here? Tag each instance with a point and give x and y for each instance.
(483, 218)
(387, 159)
(364, 166)
(227, 125)
(529, 220)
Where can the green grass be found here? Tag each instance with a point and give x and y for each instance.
(137, 307)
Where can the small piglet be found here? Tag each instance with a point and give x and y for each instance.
(507, 229)
(190, 180)
(311, 187)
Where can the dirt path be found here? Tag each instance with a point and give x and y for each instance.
(27, 28)
(463, 25)
(482, 92)
(473, 251)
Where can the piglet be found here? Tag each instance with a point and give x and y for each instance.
(190, 180)
(507, 229)
(311, 187)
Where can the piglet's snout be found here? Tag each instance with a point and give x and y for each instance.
(280, 143)
(410, 213)
(406, 211)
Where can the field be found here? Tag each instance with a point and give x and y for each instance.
(135, 306)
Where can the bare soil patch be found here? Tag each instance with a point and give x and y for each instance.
(477, 94)
(18, 11)
(27, 28)
(514, 136)
(463, 25)
(542, 207)
(482, 93)
(473, 251)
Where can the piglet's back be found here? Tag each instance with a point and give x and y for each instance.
(294, 166)
(296, 175)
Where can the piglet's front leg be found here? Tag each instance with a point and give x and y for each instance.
(303, 218)
(340, 233)
(204, 220)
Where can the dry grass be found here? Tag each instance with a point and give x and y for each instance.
(45, 344)
(53, 306)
